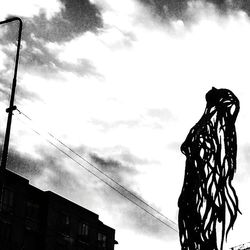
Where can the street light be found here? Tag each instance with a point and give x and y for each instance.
(12, 97)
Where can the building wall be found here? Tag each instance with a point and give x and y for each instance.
(73, 227)
(12, 211)
(32, 219)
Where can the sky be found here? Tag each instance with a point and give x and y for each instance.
(121, 83)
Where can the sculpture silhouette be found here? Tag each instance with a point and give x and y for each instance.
(208, 200)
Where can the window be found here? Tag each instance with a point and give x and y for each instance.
(83, 232)
(7, 200)
(102, 240)
(65, 219)
(83, 229)
(32, 216)
(65, 224)
(32, 210)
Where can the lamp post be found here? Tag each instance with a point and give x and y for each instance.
(12, 97)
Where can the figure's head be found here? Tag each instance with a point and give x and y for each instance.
(223, 100)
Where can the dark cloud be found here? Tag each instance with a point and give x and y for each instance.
(142, 221)
(35, 57)
(60, 177)
(107, 164)
(168, 9)
(67, 24)
(31, 168)
(82, 15)
(82, 189)
(5, 87)
(244, 5)
(75, 18)
(138, 214)
(22, 92)
(226, 5)
(121, 199)
(115, 169)
(51, 168)
(41, 60)
(24, 165)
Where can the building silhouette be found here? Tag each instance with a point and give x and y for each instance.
(34, 219)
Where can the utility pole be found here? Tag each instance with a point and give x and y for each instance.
(12, 97)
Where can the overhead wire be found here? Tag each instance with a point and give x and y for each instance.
(92, 165)
(104, 174)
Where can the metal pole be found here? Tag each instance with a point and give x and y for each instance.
(12, 97)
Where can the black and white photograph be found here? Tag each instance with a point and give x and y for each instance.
(124, 124)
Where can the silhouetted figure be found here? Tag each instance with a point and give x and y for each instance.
(208, 200)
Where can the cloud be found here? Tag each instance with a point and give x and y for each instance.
(33, 168)
(37, 57)
(36, 48)
(164, 115)
(40, 60)
(150, 226)
(181, 9)
(82, 16)
(128, 158)
(156, 77)
(4, 87)
(46, 23)
(115, 169)
(24, 165)
(30, 8)
(56, 20)
(226, 5)
(105, 125)
(53, 172)
(153, 117)
(136, 218)
(166, 8)
(66, 26)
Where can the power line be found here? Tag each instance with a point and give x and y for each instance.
(81, 165)
(101, 179)
(92, 165)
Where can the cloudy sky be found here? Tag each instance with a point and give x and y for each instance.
(121, 83)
